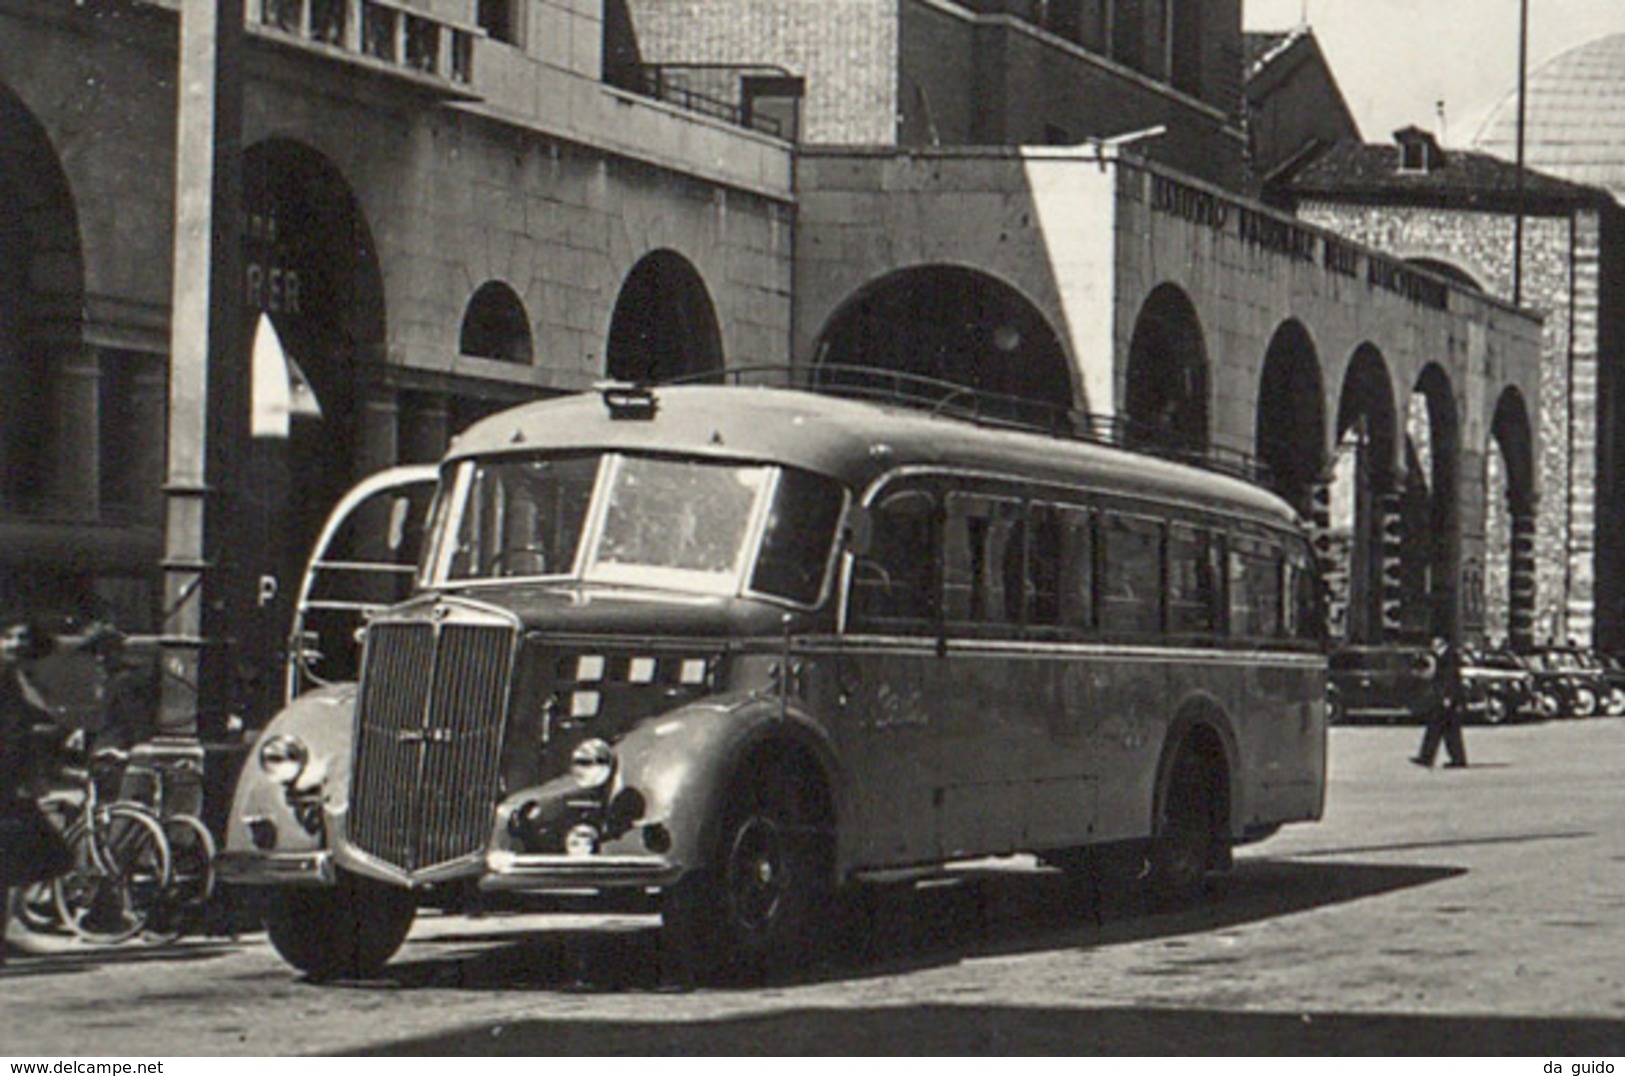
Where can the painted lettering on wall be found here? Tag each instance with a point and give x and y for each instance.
(1278, 235)
(269, 285)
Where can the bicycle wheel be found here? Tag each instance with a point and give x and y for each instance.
(191, 882)
(34, 906)
(120, 870)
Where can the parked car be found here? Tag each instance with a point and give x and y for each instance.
(1392, 684)
(1569, 681)
(1498, 686)
(1613, 671)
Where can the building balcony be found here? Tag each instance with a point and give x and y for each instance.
(393, 38)
(758, 97)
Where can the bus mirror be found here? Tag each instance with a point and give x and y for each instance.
(858, 530)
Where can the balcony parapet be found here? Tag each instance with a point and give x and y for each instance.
(392, 38)
(758, 97)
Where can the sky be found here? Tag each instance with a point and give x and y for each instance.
(1396, 59)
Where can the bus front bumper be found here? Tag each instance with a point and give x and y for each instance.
(520, 872)
(275, 868)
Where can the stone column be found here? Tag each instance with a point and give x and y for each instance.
(427, 430)
(1521, 614)
(76, 463)
(380, 429)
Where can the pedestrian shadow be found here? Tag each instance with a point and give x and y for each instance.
(896, 930)
(925, 1030)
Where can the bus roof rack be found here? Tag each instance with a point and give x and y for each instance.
(985, 408)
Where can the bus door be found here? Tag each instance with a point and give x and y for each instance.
(365, 558)
(1012, 704)
(887, 671)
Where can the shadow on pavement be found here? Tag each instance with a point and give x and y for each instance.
(987, 913)
(62, 956)
(946, 1029)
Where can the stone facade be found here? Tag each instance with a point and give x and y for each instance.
(533, 174)
(1560, 280)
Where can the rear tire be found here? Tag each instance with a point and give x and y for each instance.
(344, 931)
(1185, 842)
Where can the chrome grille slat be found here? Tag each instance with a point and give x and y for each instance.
(429, 741)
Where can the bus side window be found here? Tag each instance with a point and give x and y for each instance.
(1255, 589)
(984, 554)
(1193, 581)
(894, 584)
(1131, 586)
(1060, 569)
(1303, 619)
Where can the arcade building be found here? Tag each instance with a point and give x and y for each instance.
(448, 206)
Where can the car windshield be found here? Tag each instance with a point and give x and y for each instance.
(670, 523)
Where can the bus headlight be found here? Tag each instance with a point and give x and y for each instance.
(283, 758)
(592, 763)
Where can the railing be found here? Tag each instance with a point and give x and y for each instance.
(412, 41)
(715, 90)
(986, 408)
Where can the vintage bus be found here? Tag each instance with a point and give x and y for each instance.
(734, 647)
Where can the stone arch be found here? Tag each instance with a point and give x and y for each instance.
(1290, 439)
(495, 325)
(311, 268)
(1165, 396)
(953, 324)
(42, 298)
(1509, 541)
(1429, 534)
(665, 324)
(1360, 490)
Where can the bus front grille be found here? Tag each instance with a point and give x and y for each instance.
(428, 747)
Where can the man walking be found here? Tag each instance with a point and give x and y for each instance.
(1444, 720)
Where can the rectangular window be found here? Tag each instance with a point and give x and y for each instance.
(1303, 617)
(894, 582)
(984, 557)
(1255, 589)
(1060, 569)
(1131, 581)
(1194, 571)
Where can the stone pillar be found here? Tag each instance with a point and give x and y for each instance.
(76, 466)
(149, 390)
(1391, 538)
(427, 429)
(1521, 615)
(380, 429)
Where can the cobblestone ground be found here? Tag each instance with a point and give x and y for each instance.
(1462, 912)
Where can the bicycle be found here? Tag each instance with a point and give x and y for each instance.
(191, 844)
(121, 861)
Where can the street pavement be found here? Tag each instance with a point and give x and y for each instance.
(1459, 912)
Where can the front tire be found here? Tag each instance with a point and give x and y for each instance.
(345, 931)
(755, 909)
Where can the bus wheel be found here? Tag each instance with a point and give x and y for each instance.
(754, 910)
(1183, 845)
(344, 931)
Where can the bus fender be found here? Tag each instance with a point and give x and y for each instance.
(1200, 712)
(323, 722)
(683, 765)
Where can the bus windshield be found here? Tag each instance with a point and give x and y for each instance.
(670, 523)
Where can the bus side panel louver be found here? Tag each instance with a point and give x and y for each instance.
(428, 741)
